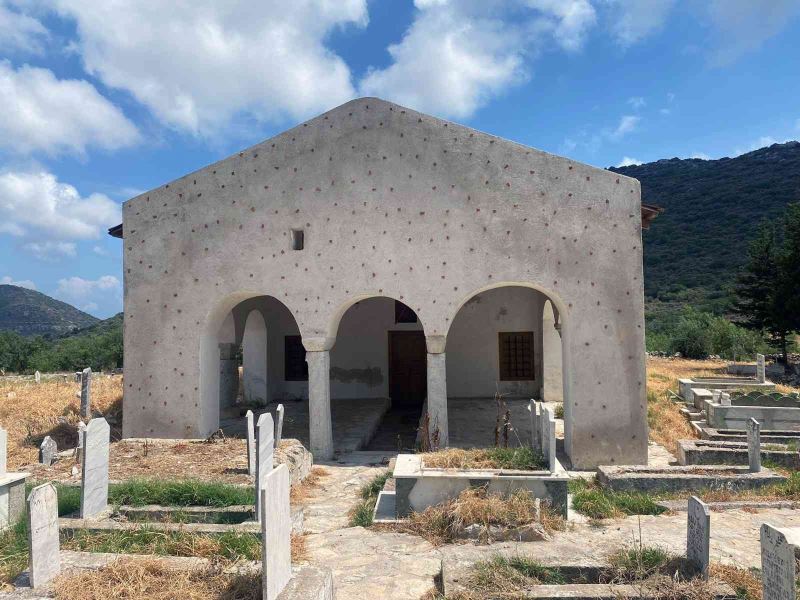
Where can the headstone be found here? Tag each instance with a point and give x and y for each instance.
(265, 449)
(77, 376)
(79, 448)
(698, 535)
(3, 451)
(37, 377)
(777, 565)
(550, 427)
(48, 451)
(725, 399)
(251, 443)
(761, 369)
(754, 445)
(94, 485)
(44, 558)
(533, 407)
(715, 396)
(86, 393)
(279, 426)
(276, 533)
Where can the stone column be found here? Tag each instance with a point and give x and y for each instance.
(437, 397)
(319, 404)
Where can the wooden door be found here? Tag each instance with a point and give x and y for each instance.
(407, 368)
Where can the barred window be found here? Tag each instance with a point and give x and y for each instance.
(516, 356)
(294, 355)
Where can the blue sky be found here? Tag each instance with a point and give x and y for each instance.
(99, 103)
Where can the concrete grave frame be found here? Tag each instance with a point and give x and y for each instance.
(479, 211)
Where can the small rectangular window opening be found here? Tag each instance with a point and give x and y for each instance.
(516, 356)
(298, 239)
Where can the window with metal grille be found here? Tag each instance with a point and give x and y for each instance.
(403, 314)
(516, 356)
(294, 355)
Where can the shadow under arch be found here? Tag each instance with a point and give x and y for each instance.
(562, 310)
(217, 329)
(336, 317)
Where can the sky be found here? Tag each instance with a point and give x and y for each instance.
(101, 101)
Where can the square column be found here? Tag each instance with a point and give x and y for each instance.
(319, 404)
(437, 396)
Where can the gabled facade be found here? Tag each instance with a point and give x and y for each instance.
(375, 201)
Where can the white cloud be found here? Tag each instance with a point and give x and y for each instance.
(627, 124)
(81, 292)
(457, 55)
(743, 25)
(19, 31)
(700, 155)
(762, 142)
(25, 283)
(100, 251)
(633, 20)
(89, 307)
(199, 65)
(627, 161)
(665, 111)
(42, 113)
(637, 102)
(47, 214)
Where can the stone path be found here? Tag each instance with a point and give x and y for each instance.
(371, 564)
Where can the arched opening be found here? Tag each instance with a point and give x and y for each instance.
(499, 345)
(377, 375)
(251, 356)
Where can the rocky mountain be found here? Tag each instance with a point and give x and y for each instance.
(693, 250)
(31, 313)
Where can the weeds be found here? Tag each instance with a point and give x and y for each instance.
(13, 551)
(598, 503)
(179, 493)
(361, 514)
(522, 459)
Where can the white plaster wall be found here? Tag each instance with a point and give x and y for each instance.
(393, 203)
(473, 361)
(552, 384)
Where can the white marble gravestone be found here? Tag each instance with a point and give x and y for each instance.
(548, 417)
(276, 533)
(533, 407)
(777, 565)
(761, 368)
(86, 393)
(37, 377)
(725, 399)
(3, 451)
(265, 449)
(279, 426)
(754, 445)
(94, 485)
(44, 558)
(698, 535)
(251, 443)
(48, 451)
(715, 396)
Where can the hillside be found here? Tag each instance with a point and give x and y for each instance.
(713, 207)
(29, 313)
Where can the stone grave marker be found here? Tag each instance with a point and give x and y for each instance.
(761, 368)
(265, 449)
(44, 558)
(715, 396)
(725, 399)
(279, 426)
(533, 407)
(77, 376)
(698, 535)
(48, 451)
(548, 418)
(777, 565)
(94, 484)
(251, 443)
(37, 377)
(276, 533)
(754, 445)
(3, 451)
(79, 448)
(86, 393)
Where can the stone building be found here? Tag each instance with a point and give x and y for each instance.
(377, 252)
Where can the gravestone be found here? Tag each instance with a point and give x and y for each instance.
(279, 426)
(761, 368)
(777, 565)
(715, 396)
(86, 393)
(77, 376)
(37, 377)
(265, 449)
(94, 484)
(548, 417)
(79, 448)
(44, 558)
(251, 443)
(48, 451)
(754, 445)
(725, 399)
(276, 533)
(3, 451)
(533, 407)
(698, 535)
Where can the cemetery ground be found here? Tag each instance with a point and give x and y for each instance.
(626, 538)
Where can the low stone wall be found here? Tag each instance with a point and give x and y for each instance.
(686, 387)
(768, 436)
(417, 488)
(705, 452)
(635, 478)
(295, 456)
(734, 417)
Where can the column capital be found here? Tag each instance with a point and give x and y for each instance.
(435, 343)
(318, 344)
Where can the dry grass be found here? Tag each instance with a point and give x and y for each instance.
(30, 411)
(299, 548)
(151, 580)
(744, 581)
(521, 458)
(301, 492)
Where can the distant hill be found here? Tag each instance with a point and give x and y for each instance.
(28, 313)
(693, 250)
